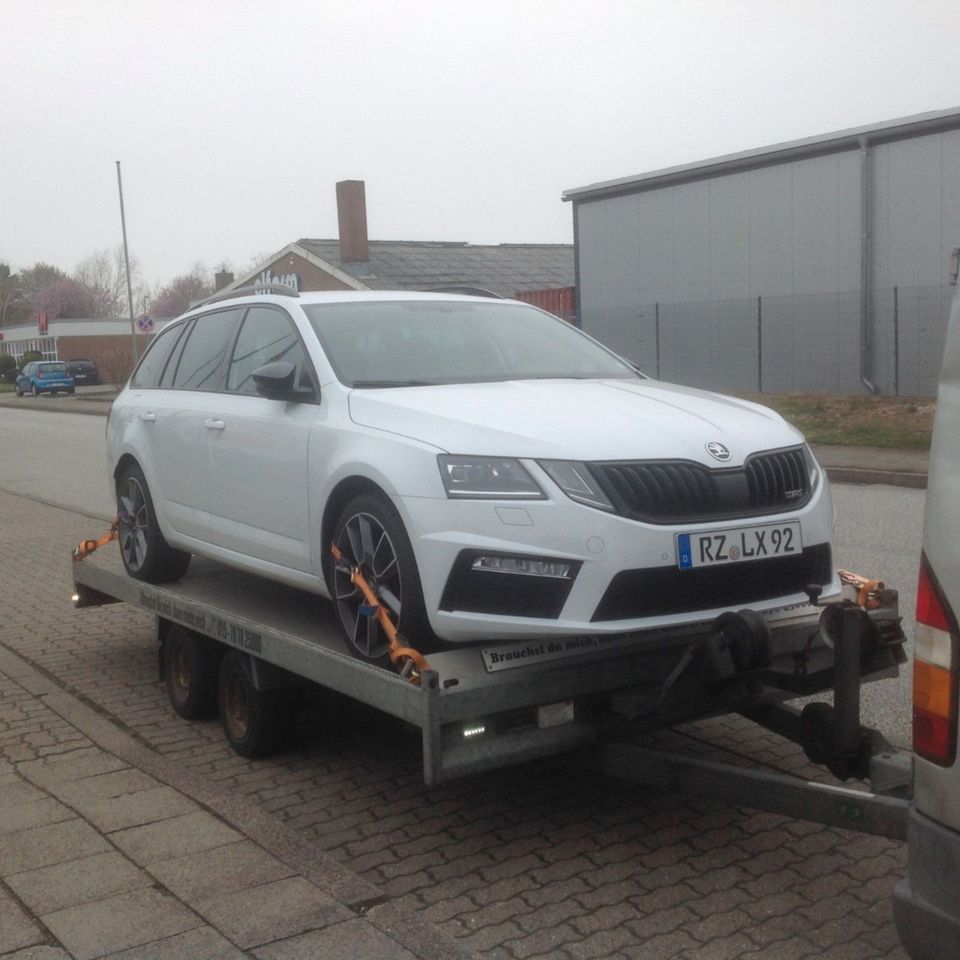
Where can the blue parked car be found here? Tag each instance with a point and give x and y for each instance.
(44, 376)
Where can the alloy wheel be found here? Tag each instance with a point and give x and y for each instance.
(365, 543)
(133, 523)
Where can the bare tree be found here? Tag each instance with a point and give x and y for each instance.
(176, 296)
(70, 298)
(13, 306)
(104, 270)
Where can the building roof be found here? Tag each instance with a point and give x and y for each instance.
(504, 269)
(905, 127)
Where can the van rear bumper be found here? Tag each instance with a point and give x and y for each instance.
(926, 904)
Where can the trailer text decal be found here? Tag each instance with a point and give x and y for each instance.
(520, 654)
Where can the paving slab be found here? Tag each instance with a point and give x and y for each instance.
(351, 938)
(118, 923)
(60, 769)
(49, 844)
(44, 952)
(271, 911)
(226, 869)
(17, 930)
(201, 943)
(111, 814)
(15, 817)
(70, 884)
(176, 837)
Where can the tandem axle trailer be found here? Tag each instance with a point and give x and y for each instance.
(246, 646)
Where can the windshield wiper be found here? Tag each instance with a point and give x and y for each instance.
(374, 384)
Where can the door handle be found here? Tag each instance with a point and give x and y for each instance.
(214, 424)
(148, 417)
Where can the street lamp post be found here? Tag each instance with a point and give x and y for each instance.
(126, 260)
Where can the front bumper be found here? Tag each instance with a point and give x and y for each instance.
(611, 558)
(926, 904)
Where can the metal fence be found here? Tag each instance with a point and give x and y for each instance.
(808, 344)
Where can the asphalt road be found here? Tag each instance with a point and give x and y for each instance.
(59, 458)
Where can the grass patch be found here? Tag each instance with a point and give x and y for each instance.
(856, 421)
(6, 387)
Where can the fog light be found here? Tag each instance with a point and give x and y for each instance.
(523, 568)
(473, 730)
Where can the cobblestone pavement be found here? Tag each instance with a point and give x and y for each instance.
(536, 861)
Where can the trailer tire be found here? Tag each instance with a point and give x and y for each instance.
(146, 555)
(370, 534)
(191, 665)
(254, 721)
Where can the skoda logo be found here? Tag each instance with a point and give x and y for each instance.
(718, 451)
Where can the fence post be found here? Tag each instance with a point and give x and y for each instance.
(896, 341)
(759, 344)
(656, 312)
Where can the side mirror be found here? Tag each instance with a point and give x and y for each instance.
(275, 380)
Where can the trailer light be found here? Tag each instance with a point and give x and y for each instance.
(74, 598)
(473, 730)
(935, 673)
(523, 567)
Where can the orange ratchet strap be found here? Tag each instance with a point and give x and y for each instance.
(868, 591)
(409, 662)
(86, 547)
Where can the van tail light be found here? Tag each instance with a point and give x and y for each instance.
(935, 673)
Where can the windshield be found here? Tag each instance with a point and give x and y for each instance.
(419, 342)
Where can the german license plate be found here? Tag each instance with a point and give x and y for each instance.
(714, 547)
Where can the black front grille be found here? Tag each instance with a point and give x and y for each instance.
(661, 591)
(680, 491)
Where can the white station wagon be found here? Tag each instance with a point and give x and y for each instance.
(494, 472)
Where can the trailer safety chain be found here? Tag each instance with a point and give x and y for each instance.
(410, 663)
(86, 547)
(868, 591)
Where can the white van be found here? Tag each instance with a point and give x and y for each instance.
(927, 902)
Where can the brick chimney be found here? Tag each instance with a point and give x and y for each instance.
(221, 279)
(352, 215)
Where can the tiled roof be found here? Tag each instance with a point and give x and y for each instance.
(505, 269)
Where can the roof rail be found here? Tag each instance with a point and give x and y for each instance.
(282, 289)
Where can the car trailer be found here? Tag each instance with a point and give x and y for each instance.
(249, 644)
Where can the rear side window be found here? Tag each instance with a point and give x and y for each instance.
(267, 335)
(201, 359)
(150, 370)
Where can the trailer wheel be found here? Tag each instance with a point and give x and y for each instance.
(254, 721)
(370, 534)
(190, 668)
(146, 555)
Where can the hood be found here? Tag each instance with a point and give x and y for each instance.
(574, 420)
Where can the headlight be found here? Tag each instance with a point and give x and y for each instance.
(576, 481)
(478, 478)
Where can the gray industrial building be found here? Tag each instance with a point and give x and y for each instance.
(821, 265)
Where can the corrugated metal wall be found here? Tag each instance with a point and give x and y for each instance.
(751, 280)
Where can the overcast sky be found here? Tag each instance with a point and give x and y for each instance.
(466, 118)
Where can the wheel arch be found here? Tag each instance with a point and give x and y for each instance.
(340, 496)
(122, 464)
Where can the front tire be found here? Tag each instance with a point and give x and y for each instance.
(146, 555)
(370, 535)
